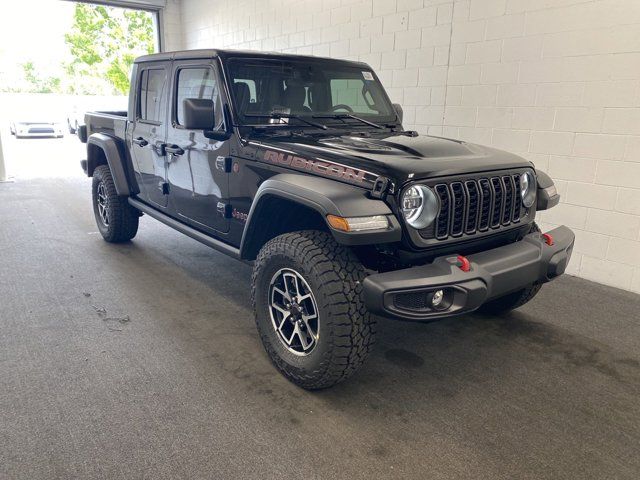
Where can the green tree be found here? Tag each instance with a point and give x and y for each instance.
(104, 41)
(39, 84)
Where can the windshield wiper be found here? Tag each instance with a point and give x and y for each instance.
(342, 116)
(280, 116)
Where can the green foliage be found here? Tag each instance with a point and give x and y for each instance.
(104, 41)
(38, 84)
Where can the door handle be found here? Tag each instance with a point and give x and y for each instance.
(140, 141)
(173, 150)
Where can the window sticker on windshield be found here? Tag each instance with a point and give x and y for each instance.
(277, 109)
(367, 75)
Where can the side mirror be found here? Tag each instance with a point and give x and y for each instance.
(198, 114)
(399, 111)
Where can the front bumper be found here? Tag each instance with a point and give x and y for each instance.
(406, 294)
(40, 135)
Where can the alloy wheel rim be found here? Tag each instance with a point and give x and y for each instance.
(103, 203)
(294, 312)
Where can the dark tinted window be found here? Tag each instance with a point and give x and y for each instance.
(198, 83)
(308, 88)
(152, 89)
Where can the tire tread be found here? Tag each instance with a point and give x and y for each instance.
(124, 219)
(340, 275)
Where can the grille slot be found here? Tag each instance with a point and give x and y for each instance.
(469, 206)
(487, 204)
(473, 204)
(442, 220)
(508, 200)
(458, 204)
(516, 210)
(498, 202)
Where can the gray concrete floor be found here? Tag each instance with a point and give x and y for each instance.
(142, 361)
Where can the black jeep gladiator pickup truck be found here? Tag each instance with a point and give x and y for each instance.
(301, 166)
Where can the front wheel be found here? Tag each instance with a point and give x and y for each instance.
(307, 299)
(116, 219)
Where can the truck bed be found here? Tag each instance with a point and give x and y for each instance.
(109, 123)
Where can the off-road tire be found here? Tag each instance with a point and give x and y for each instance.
(335, 276)
(122, 218)
(511, 301)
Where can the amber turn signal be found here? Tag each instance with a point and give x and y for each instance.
(339, 223)
(358, 224)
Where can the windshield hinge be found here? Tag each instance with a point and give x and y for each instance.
(224, 164)
(380, 187)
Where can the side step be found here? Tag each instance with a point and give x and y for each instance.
(186, 229)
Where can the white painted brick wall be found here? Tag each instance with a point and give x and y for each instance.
(172, 26)
(557, 81)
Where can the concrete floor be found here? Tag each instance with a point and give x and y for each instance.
(142, 361)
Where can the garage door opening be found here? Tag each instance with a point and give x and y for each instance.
(69, 58)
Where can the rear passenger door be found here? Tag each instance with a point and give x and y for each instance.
(149, 131)
(198, 173)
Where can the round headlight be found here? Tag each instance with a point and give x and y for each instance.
(528, 189)
(419, 206)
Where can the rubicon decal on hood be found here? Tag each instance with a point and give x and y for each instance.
(321, 167)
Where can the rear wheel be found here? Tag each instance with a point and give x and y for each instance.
(511, 301)
(116, 219)
(307, 299)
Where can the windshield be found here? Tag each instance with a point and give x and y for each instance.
(308, 88)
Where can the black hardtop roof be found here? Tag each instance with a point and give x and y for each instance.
(225, 54)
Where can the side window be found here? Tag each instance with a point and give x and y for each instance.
(198, 83)
(152, 85)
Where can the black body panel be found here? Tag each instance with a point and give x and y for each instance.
(214, 185)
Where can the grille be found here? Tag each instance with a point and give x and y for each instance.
(411, 300)
(476, 205)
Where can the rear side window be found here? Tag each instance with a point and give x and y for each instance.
(152, 85)
(198, 82)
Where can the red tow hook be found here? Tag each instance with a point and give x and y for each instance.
(463, 263)
(548, 239)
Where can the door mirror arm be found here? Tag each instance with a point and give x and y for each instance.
(220, 135)
(224, 133)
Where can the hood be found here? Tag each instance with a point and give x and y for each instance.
(398, 157)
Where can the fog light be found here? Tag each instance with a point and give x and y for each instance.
(437, 298)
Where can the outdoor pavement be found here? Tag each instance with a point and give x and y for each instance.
(142, 361)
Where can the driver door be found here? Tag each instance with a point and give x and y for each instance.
(198, 167)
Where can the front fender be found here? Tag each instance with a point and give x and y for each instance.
(98, 145)
(546, 195)
(327, 197)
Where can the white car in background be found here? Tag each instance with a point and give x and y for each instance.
(36, 129)
(75, 116)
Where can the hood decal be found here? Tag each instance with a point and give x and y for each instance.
(360, 161)
(320, 167)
